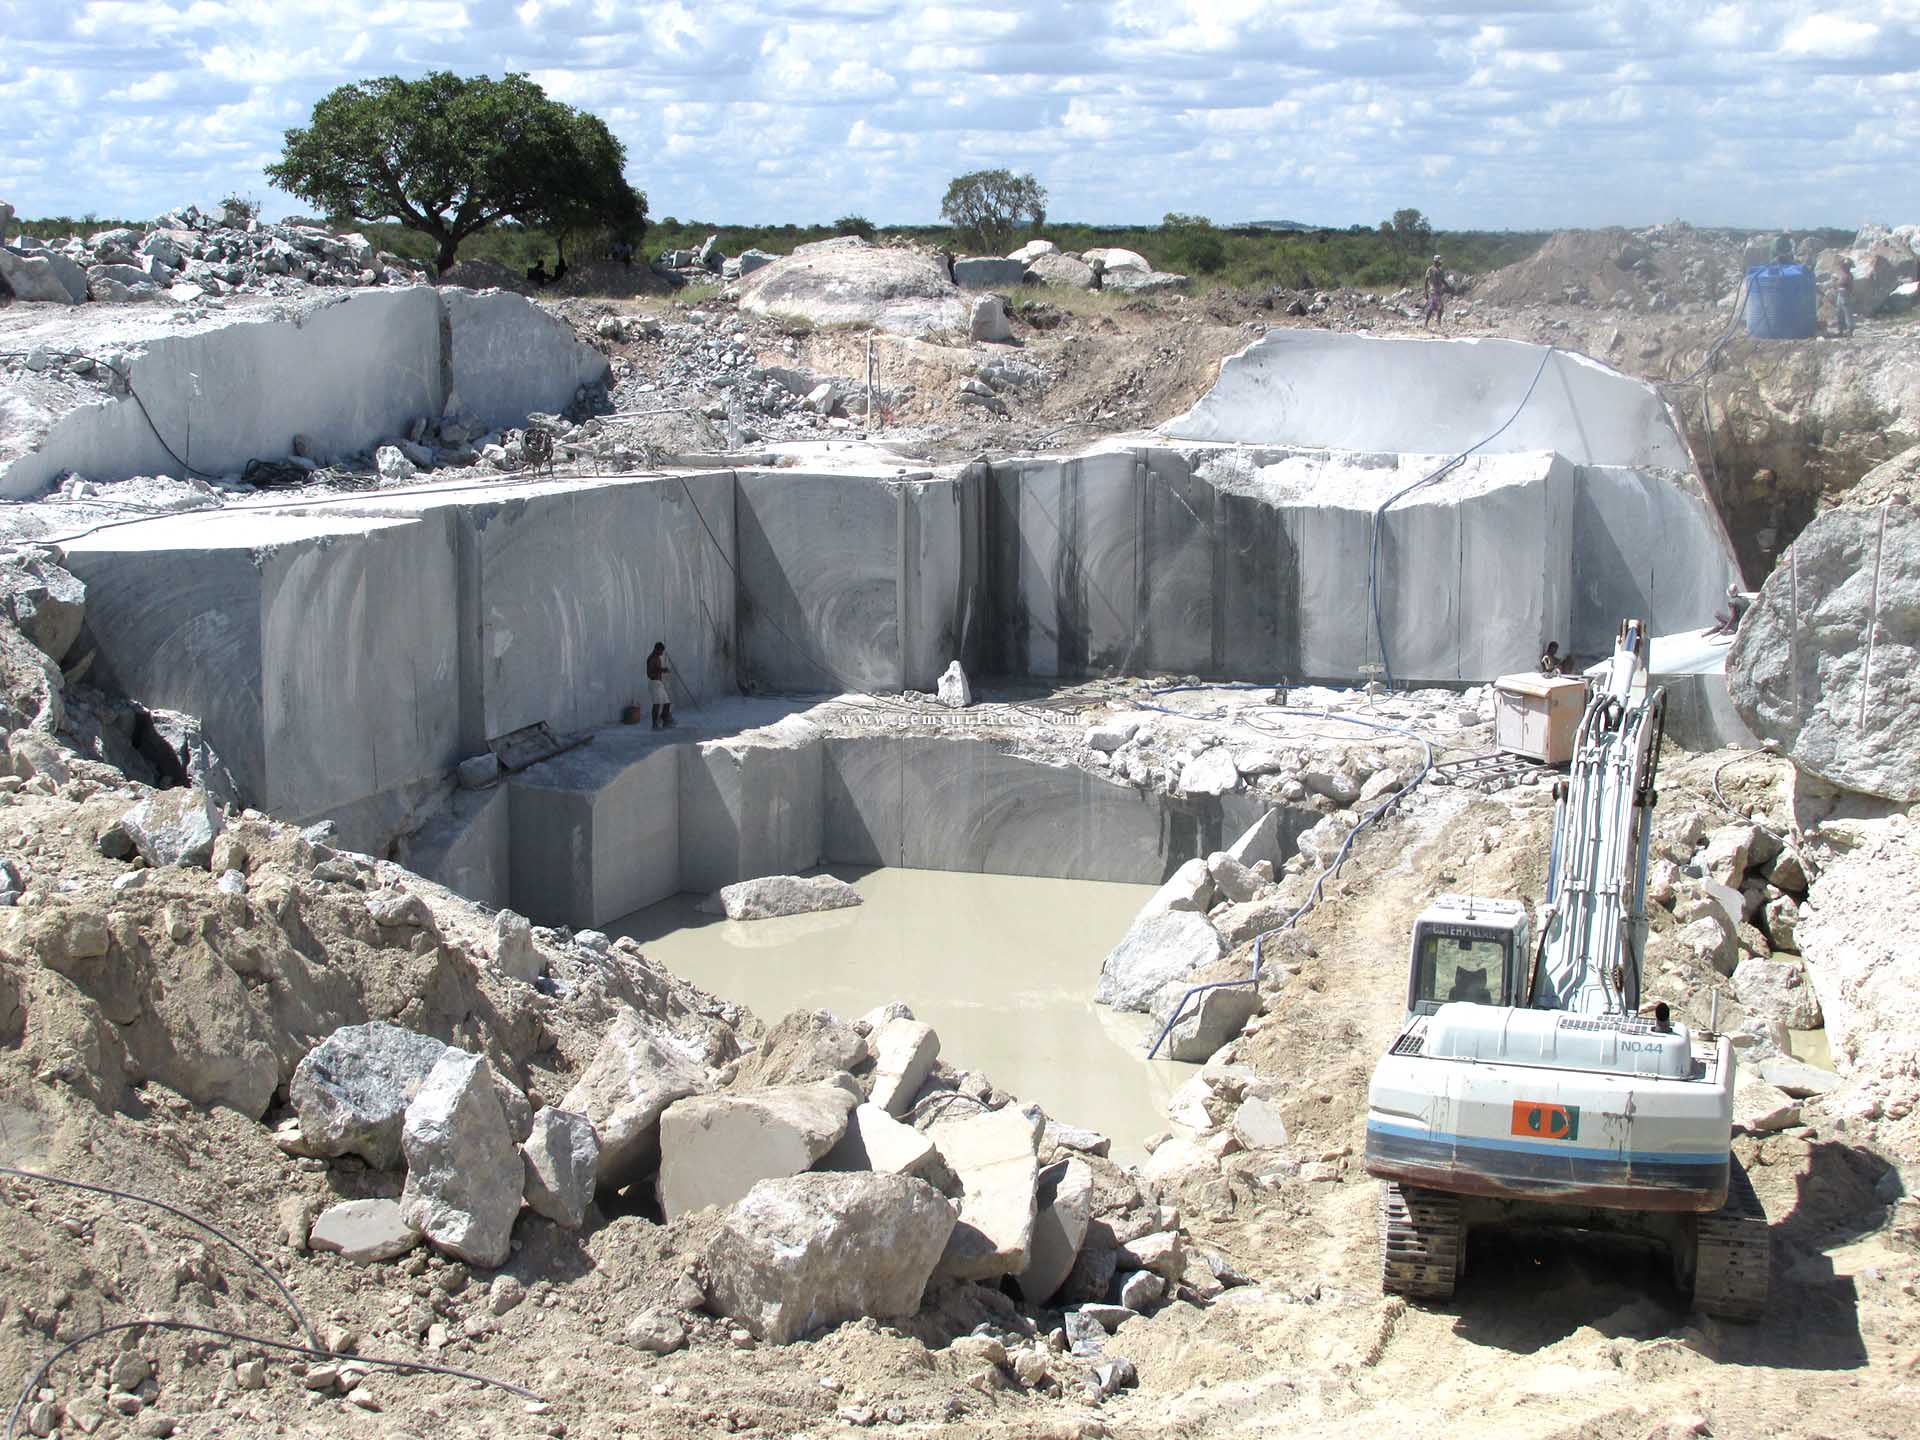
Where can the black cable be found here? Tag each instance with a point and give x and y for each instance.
(306, 1326)
(154, 1323)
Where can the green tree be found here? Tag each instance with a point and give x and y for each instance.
(1409, 229)
(854, 225)
(1192, 244)
(447, 157)
(987, 206)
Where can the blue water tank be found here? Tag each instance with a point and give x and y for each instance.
(1780, 302)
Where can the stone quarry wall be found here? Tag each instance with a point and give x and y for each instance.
(602, 831)
(344, 373)
(1433, 397)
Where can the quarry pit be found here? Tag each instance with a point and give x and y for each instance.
(1206, 666)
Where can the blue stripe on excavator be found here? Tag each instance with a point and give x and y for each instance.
(1530, 1165)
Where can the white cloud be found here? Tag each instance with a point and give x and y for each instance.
(1481, 112)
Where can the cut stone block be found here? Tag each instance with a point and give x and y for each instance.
(1063, 1204)
(715, 1148)
(995, 1158)
(903, 1056)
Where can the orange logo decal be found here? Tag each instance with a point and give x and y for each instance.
(1537, 1120)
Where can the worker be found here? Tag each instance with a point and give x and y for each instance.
(1551, 662)
(1783, 249)
(1437, 291)
(662, 698)
(537, 272)
(1726, 621)
(1843, 295)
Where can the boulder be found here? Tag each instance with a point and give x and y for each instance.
(1725, 857)
(175, 827)
(45, 602)
(1712, 941)
(1159, 947)
(715, 1148)
(1058, 268)
(1783, 920)
(1163, 1252)
(1238, 924)
(849, 281)
(772, 896)
(1825, 660)
(1259, 841)
(1777, 988)
(806, 1045)
(903, 1056)
(352, 1090)
(876, 1141)
(1063, 1206)
(1258, 1126)
(1210, 1020)
(632, 1079)
(1140, 1289)
(1232, 881)
(561, 1161)
(363, 1231)
(1032, 251)
(1211, 772)
(1189, 888)
(995, 1157)
(514, 954)
(1109, 735)
(954, 691)
(1797, 1078)
(1336, 785)
(43, 275)
(811, 1251)
(1116, 258)
(987, 320)
(464, 1177)
(1145, 282)
(394, 467)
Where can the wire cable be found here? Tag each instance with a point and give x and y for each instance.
(378, 1362)
(1374, 527)
(299, 1315)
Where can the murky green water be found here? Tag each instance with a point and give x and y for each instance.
(1001, 966)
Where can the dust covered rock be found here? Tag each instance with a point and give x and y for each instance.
(715, 1148)
(637, 1073)
(811, 1251)
(464, 1177)
(776, 895)
(352, 1090)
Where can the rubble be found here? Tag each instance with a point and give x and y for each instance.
(175, 827)
(994, 1156)
(1160, 948)
(562, 1158)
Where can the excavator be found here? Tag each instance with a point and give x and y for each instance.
(1526, 1086)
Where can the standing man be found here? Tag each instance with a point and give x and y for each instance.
(1437, 291)
(657, 692)
(1843, 295)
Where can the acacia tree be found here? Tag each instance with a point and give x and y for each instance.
(987, 206)
(448, 156)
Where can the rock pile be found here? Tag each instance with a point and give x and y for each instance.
(186, 255)
(1044, 263)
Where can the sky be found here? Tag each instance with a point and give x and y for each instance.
(1483, 114)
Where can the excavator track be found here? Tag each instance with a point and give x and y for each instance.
(1733, 1257)
(1421, 1243)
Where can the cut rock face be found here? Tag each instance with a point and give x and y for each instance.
(353, 1088)
(800, 1254)
(995, 1157)
(1825, 660)
(715, 1148)
(623, 1093)
(464, 1177)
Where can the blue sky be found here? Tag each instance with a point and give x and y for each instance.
(1479, 112)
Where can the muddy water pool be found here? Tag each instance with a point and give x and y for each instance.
(1000, 965)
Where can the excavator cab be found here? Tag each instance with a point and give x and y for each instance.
(1467, 949)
